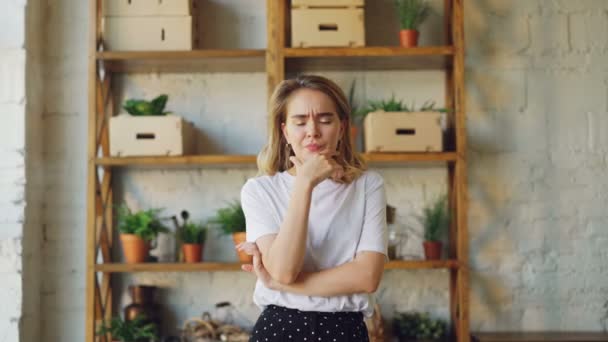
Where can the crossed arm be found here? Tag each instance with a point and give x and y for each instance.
(278, 258)
(362, 275)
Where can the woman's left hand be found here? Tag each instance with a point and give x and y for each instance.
(257, 268)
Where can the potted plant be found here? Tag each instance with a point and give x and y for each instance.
(137, 107)
(193, 237)
(416, 326)
(435, 220)
(231, 220)
(137, 232)
(411, 14)
(135, 330)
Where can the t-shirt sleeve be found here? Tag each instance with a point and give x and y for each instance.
(259, 218)
(374, 236)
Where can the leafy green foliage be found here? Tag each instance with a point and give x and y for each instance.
(143, 107)
(415, 325)
(129, 331)
(146, 224)
(193, 233)
(394, 105)
(435, 219)
(412, 13)
(231, 218)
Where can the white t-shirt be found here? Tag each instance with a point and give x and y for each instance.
(344, 219)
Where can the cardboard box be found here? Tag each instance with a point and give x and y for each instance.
(168, 135)
(139, 8)
(321, 27)
(148, 33)
(327, 3)
(403, 132)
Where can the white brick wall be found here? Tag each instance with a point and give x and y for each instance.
(536, 86)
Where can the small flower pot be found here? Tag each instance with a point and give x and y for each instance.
(243, 257)
(193, 252)
(408, 38)
(353, 137)
(134, 248)
(432, 250)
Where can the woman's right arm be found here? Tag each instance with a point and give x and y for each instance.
(283, 253)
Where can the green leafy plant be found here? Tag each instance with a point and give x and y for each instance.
(409, 326)
(193, 233)
(394, 105)
(146, 224)
(231, 219)
(144, 108)
(435, 218)
(129, 331)
(412, 13)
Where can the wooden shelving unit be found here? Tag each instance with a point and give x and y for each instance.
(218, 159)
(277, 60)
(216, 266)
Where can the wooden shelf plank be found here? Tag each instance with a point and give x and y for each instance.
(540, 336)
(218, 266)
(210, 159)
(190, 54)
(420, 264)
(398, 157)
(183, 61)
(368, 58)
(251, 159)
(167, 267)
(368, 51)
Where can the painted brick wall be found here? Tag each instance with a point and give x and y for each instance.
(536, 92)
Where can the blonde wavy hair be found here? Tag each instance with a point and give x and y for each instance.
(274, 157)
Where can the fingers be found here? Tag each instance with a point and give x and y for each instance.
(295, 161)
(248, 247)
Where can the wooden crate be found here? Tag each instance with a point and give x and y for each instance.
(323, 27)
(138, 8)
(168, 135)
(148, 33)
(327, 3)
(403, 132)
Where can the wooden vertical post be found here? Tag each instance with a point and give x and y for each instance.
(462, 252)
(276, 11)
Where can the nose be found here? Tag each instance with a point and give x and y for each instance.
(312, 128)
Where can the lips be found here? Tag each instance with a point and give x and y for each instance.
(314, 147)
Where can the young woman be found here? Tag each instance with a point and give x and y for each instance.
(316, 220)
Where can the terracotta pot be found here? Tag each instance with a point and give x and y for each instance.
(353, 137)
(408, 38)
(193, 252)
(432, 250)
(134, 248)
(243, 257)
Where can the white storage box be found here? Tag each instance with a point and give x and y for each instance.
(148, 33)
(168, 135)
(138, 8)
(327, 3)
(324, 27)
(403, 132)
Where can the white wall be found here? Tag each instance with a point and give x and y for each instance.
(536, 94)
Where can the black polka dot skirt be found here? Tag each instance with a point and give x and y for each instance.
(277, 323)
